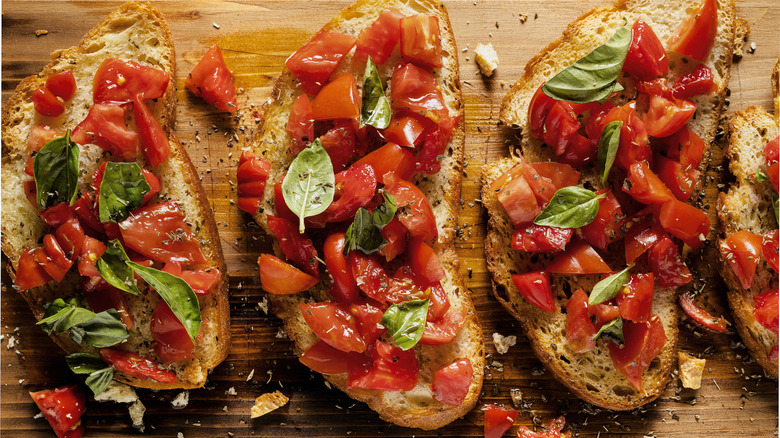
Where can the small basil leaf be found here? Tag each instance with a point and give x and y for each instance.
(761, 176)
(375, 109)
(177, 294)
(59, 304)
(112, 266)
(65, 319)
(570, 207)
(609, 287)
(309, 185)
(106, 329)
(56, 172)
(84, 363)
(385, 212)
(612, 330)
(594, 77)
(608, 147)
(121, 191)
(363, 235)
(406, 322)
(99, 380)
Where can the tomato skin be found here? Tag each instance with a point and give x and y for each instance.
(91, 250)
(766, 310)
(635, 299)
(136, 365)
(84, 210)
(56, 215)
(579, 258)
(684, 221)
(742, 251)
(540, 238)
(340, 144)
(355, 188)
(604, 312)
(444, 330)
(646, 57)
(451, 383)
(685, 146)
(369, 275)
(154, 142)
(667, 115)
(695, 36)
(117, 82)
(667, 265)
(644, 186)
(390, 158)
(680, 179)
(639, 238)
(606, 227)
(414, 210)
(701, 316)
(579, 328)
(435, 141)
(498, 420)
(769, 247)
(395, 235)
(390, 369)
(560, 131)
(536, 289)
(201, 280)
(338, 99)
(63, 408)
(280, 278)
(343, 286)
(316, 60)
(172, 342)
(699, 81)
(405, 129)
(643, 342)
(300, 125)
(516, 195)
(212, 81)
(252, 175)
(420, 40)
(105, 127)
(379, 38)
(298, 248)
(325, 359)
(148, 231)
(772, 155)
(560, 174)
(56, 254)
(369, 320)
(424, 261)
(335, 325)
(29, 273)
(70, 236)
(46, 103)
(538, 108)
(416, 89)
(62, 84)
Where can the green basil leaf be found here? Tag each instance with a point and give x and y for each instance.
(570, 207)
(608, 147)
(112, 266)
(609, 287)
(84, 363)
(65, 318)
(406, 322)
(59, 304)
(99, 380)
(309, 185)
(56, 172)
(594, 77)
(761, 176)
(612, 330)
(362, 234)
(106, 329)
(385, 212)
(121, 191)
(375, 109)
(177, 294)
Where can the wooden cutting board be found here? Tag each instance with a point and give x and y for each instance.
(256, 37)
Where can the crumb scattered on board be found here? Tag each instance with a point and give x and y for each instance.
(268, 402)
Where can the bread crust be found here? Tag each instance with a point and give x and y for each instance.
(21, 226)
(592, 376)
(415, 408)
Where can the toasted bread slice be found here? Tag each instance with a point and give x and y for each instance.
(591, 375)
(748, 206)
(138, 32)
(415, 408)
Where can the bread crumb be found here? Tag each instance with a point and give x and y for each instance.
(118, 393)
(216, 26)
(181, 401)
(251, 374)
(268, 402)
(523, 18)
(691, 370)
(11, 342)
(41, 32)
(137, 410)
(486, 58)
(231, 391)
(502, 343)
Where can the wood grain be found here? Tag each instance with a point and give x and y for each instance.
(256, 38)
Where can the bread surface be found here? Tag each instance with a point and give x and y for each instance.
(138, 32)
(414, 408)
(592, 375)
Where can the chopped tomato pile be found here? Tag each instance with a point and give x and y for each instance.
(648, 158)
(377, 236)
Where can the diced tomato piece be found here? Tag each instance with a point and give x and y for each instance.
(62, 407)
(379, 38)
(685, 146)
(766, 310)
(701, 316)
(554, 428)
(742, 251)
(91, 250)
(298, 248)
(172, 342)
(325, 359)
(606, 227)
(646, 57)
(70, 236)
(417, 90)
(699, 81)
(635, 299)
(280, 278)
(772, 155)
(695, 36)
(405, 128)
(579, 258)
(313, 63)
(435, 141)
(355, 188)
(118, 82)
(536, 289)
(643, 342)
(392, 369)
(684, 221)
(560, 174)
(644, 186)
(769, 247)
(420, 40)
(338, 99)
(560, 132)
(102, 296)
(498, 420)
(56, 215)
(55, 253)
(394, 234)
(369, 274)
(46, 103)
(39, 136)
(29, 273)
(300, 125)
(444, 330)
(62, 84)
(451, 384)
(160, 232)
(136, 365)
(579, 328)
(414, 210)
(680, 179)
(369, 321)
(54, 270)
(212, 81)
(201, 280)
(640, 237)
(340, 144)
(425, 262)
(634, 143)
(542, 239)
(105, 127)
(251, 176)
(667, 115)
(540, 106)
(335, 325)
(154, 142)
(669, 269)
(390, 158)
(343, 286)
(516, 195)
(84, 210)
(439, 304)
(604, 312)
